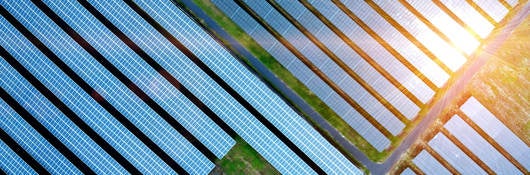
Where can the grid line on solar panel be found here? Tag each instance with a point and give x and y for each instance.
(109, 131)
(491, 141)
(479, 146)
(325, 39)
(495, 132)
(483, 12)
(409, 38)
(395, 54)
(419, 28)
(190, 54)
(466, 150)
(314, 54)
(453, 155)
(441, 19)
(171, 50)
(373, 102)
(207, 141)
(451, 13)
(428, 164)
(149, 129)
(441, 160)
(362, 126)
(494, 9)
(430, 66)
(65, 130)
(12, 163)
(158, 44)
(32, 140)
(254, 90)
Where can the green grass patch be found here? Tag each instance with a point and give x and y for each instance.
(243, 159)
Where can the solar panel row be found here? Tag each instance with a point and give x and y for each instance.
(89, 92)
(471, 142)
(268, 104)
(302, 72)
(372, 62)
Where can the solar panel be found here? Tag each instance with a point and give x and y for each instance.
(482, 149)
(428, 164)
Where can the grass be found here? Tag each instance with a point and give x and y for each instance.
(274, 66)
(243, 159)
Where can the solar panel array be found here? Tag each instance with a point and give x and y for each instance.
(136, 87)
(375, 63)
(474, 141)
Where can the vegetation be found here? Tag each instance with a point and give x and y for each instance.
(243, 159)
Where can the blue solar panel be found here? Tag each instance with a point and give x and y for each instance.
(339, 105)
(471, 17)
(497, 130)
(458, 35)
(446, 53)
(213, 95)
(250, 87)
(454, 156)
(428, 164)
(82, 104)
(408, 172)
(57, 123)
(388, 33)
(24, 134)
(494, 8)
(117, 94)
(480, 147)
(10, 162)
